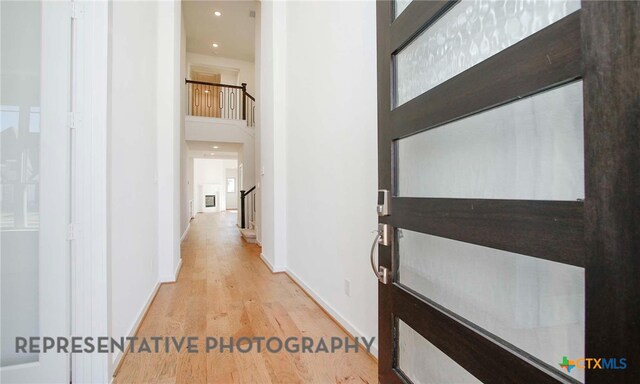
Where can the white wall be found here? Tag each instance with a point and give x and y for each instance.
(328, 148)
(232, 197)
(169, 118)
(211, 174)
(271, 106)
(133, 162)
(246, 69)
(257, 127)
(191, 211)
(229, 131)
(144, 157)
(185, 169)
(228, 76)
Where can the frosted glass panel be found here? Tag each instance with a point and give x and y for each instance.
(400, 5)
(536, 305)
(424, 363)
(531, 149)
(471, 32)
(20, 177)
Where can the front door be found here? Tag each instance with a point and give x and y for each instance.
(35, 102)
(509, 147)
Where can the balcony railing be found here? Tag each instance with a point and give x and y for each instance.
(224, 101)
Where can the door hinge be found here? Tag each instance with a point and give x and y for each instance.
(75, 119)
(72, 232)
(77, 10)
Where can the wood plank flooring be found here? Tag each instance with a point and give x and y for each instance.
(225, 290)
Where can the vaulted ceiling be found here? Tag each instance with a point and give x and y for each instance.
(233, 31)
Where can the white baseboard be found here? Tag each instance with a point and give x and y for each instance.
(177, 271)
(171, 278)
(185, 232)
(270, 266)
(117, 356)
(332, 311)
(178, 268)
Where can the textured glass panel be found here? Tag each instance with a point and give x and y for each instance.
(534, 304)
(424, 363)
(20, 176)
(530, 149)
(400, 5)
(471, 32)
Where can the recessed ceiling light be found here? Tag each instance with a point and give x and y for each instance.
(206, 91)
(217, 13)
(215, 45)
(212, 153)
(215, 147)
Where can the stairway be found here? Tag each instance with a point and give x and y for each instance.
(248, 234)
(247, 215)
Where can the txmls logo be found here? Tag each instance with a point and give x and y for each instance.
(593, 363)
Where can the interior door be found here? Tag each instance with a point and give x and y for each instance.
(509, 146)
(35, 60)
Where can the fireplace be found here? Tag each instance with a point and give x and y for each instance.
(209, 201)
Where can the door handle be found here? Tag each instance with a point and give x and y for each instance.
(382, 238)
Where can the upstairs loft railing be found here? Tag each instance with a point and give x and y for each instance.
(224, 101)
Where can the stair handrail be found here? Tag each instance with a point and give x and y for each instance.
(248, 192)
(243, 195)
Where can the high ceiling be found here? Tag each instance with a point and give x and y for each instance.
(233, 31)
(205, 149)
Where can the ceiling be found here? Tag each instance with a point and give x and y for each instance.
(204, 149)
(234, 31)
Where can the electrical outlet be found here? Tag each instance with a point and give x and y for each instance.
(347, 287)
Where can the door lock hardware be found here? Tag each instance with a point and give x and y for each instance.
(382, 238)
(383, 275)
(383, 202)
(383, 230)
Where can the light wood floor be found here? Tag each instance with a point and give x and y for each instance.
(224, 289)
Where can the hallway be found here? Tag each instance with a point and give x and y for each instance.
(225, 290)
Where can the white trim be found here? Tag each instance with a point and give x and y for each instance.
(134, 327)
(167, 98)
(185, 234)
(178, 268)
(273, 269)
(90, 311)
(170, 278)
(337, 316)
(217, 120)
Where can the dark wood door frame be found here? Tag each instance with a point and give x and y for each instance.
(599, 44)
(611, 51)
